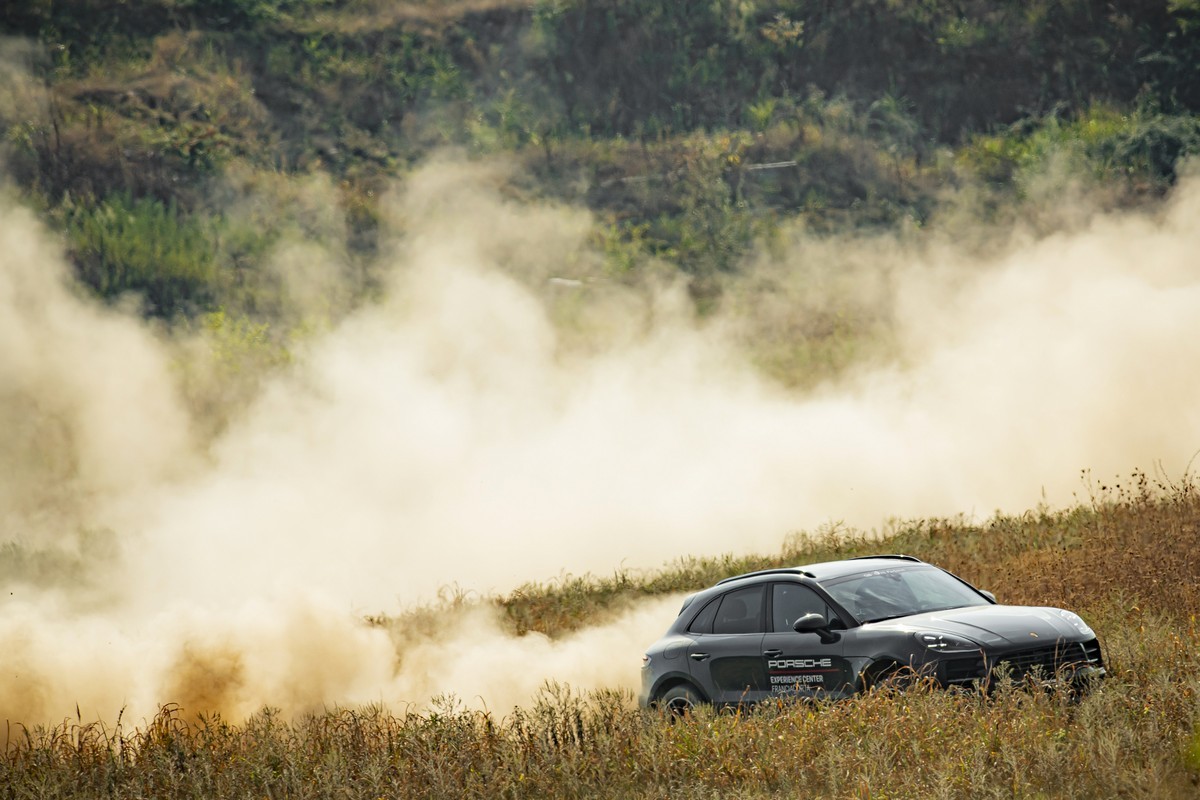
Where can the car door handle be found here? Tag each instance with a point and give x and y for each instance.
(772, 653)
(698, 656)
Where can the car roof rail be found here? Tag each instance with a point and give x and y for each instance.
(900, 556)
(775, 571)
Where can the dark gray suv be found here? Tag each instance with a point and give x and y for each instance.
(836, 628)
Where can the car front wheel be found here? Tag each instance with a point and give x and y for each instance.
(680, 699)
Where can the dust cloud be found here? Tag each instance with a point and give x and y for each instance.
(506, 412)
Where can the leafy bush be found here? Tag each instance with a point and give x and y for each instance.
(238, 356)
(122, 245)
(1147, 143)
(649, 67)
(1112, 145)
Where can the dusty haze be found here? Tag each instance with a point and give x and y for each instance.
(482, 424)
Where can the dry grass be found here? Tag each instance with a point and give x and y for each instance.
(1126, 558)
(1130, 739)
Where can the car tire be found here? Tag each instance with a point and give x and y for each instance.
(680, 700)
(887, 675)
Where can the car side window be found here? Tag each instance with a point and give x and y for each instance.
(704, 620)
(740, 611)
(790, 602)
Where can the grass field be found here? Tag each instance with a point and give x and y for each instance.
(229, 173)
(1127, 557)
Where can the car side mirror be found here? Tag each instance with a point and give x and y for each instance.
(988, 595)
(815, 623)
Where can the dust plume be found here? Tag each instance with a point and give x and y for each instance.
(505, 411)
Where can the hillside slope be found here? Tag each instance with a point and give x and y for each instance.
(693, 133)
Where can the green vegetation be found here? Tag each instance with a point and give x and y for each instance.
(692, 131)
(1126, 558)
(122, 245)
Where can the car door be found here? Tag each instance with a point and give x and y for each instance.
(726, 657)
(800, 664)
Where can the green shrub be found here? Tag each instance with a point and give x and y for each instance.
(239, 356)
(1147, 143)
(1119, 146)
(122, 245)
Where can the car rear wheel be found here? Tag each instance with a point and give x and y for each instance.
(680, 700)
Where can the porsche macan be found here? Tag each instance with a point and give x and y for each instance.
(833, 629)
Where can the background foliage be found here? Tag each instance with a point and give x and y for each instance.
(657, 115)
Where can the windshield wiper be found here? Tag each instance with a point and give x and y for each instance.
(892, 616)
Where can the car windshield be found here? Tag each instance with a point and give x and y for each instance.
(899, 591)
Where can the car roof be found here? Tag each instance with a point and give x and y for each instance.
(836, 569)
(826, 570)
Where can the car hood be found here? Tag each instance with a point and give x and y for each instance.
(996, 626)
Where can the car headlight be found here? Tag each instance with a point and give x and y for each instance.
(946, 642)
(1078, 624)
